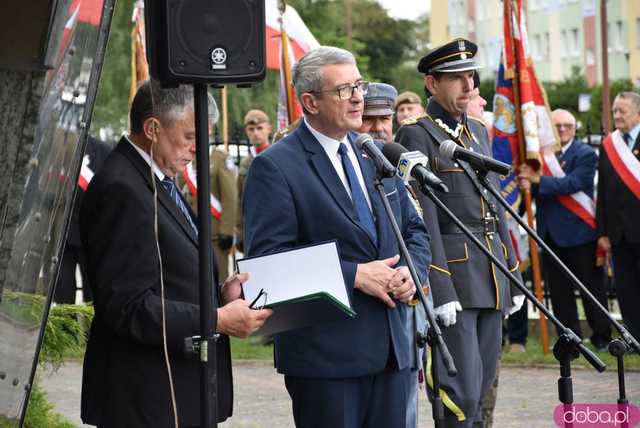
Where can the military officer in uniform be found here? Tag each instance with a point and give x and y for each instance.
(258, 127)
(222, 182)
(470, 294)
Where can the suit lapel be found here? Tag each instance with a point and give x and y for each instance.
(325, 170)
(165, 200)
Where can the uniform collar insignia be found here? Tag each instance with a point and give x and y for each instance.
(444, 120)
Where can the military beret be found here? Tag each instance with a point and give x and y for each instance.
(452, 57)
(254, 117)
(379, 99)
(407, 97)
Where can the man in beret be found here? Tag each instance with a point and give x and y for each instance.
(258, 127)
(377, 117)
(470, 294)
(377, 121)
(408, 105)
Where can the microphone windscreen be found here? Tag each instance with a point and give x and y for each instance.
(393, 151)
(361, 139)
(447, 148)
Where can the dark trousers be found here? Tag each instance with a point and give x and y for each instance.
(626, 272)
(371, 401)
(474, 343)
(580, 259)
(518, 325)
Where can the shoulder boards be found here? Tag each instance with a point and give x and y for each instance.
(477, 120)
(414, 120)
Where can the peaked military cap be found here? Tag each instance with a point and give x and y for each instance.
(454, 56)
(379, 99)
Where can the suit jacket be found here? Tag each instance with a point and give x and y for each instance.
(125, 381)
(459, 270)
(293, 197)
(617, 208)
(552, 218)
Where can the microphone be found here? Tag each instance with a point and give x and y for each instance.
(365, 142)
(412, 166)
(451, 150)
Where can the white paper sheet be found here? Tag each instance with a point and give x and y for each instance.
(295, 273)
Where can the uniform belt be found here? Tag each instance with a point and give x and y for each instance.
(486, 226)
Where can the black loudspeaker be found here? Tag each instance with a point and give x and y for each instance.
(205, 41)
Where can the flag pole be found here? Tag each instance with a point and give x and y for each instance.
(225, 120)
(285, 63)
(533, 246)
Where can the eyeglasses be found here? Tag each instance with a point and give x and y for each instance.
(564, 125)
(345, 92)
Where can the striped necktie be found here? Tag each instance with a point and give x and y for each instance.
(171, 187)
(365, 217)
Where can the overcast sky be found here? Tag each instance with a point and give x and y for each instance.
(408, 9)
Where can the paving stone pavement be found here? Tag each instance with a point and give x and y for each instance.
(526, 397)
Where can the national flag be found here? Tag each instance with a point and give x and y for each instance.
(139, 65)
(288, 39)
(189, 175)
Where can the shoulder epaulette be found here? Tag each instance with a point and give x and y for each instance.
(414, 120)
(480, 121)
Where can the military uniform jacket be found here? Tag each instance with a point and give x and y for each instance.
(222, 182)
(459, 270)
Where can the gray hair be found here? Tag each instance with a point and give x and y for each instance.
(631, 96)
(307, 73)
(166, 104)
(561, 110)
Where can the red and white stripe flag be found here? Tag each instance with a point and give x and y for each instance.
(86, 175)
(189, 175)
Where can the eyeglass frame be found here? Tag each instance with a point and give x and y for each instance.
(353, 87)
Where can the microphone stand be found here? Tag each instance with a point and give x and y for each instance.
(434, 334)
(617, 348)
(568, 345)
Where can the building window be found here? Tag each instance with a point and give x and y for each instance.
(536, 48)
(590, 57)
(575, 43)
(546, 46)
(564, 43)
(638, 33)
(619, 37)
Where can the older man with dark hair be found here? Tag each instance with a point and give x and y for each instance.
(618, 204)
(314, 186)
(142, 253)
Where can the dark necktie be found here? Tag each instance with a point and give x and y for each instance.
(627, 139)
(365, 217)
(171, 187)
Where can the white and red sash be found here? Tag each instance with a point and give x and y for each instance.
(626, 165)
(189, 175)
(578, 203)
(85, 174)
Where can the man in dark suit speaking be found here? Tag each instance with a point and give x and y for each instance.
(126, 378)
(313, 186)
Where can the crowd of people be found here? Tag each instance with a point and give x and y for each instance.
(316, 185)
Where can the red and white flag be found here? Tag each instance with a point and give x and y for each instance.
(189, 175)
(86, 175)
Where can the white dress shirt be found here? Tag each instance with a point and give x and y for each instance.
(331, 147)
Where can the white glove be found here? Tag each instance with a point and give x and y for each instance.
(447, 313)
(517, 301)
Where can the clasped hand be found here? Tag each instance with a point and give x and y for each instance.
(236, 318)
(381, 279)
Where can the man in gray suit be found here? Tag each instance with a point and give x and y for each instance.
(470, 294)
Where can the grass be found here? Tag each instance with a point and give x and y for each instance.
(250, 349)
(535, 357)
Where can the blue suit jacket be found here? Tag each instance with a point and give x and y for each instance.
(553, 219)
(293, 196)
